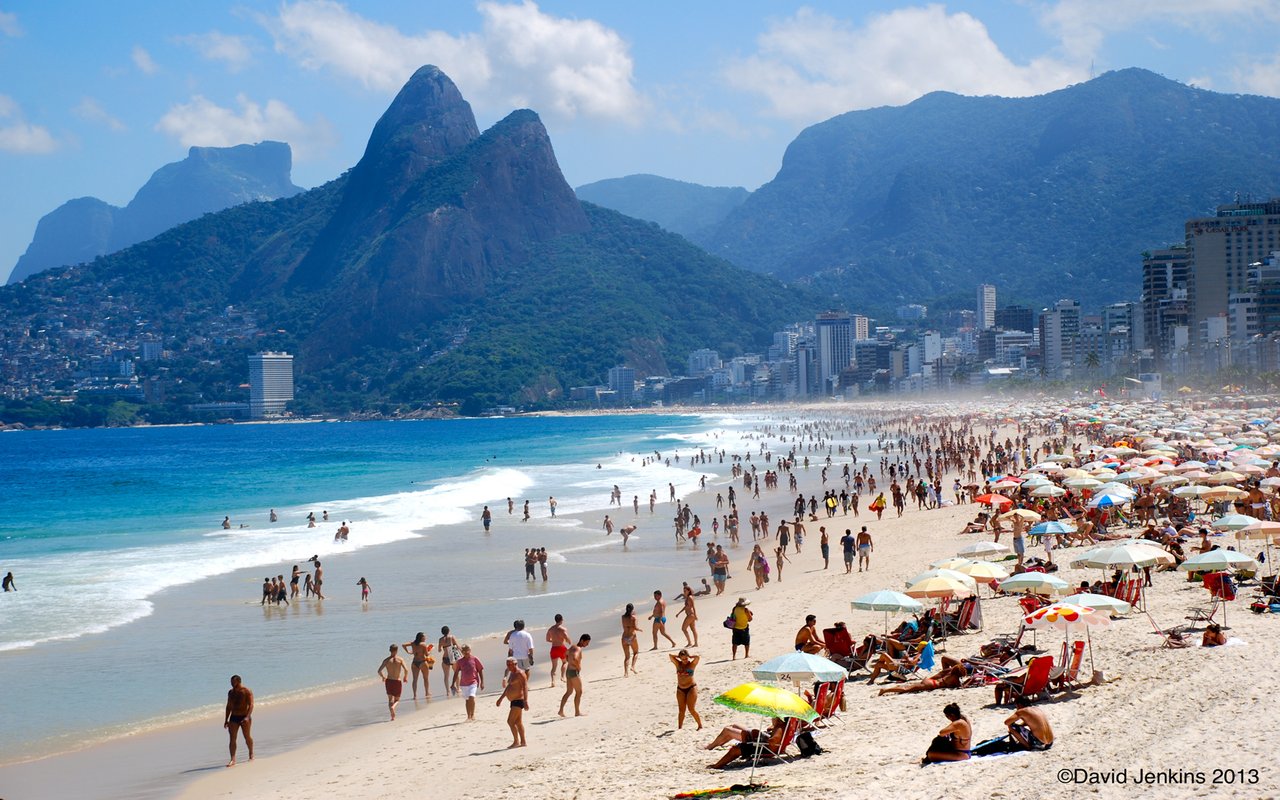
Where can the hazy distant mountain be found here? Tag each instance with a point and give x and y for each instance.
(208, 179)
(680, 207)
(447, 264)
(1047, 197)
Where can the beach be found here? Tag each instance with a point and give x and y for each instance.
(1191, 719)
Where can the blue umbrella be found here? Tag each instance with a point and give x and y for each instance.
(1051, 527)
(1107, 499)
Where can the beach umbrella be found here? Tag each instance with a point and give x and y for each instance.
(984, 571)
(1064, 616)
(950, 562)
(1048, 490)
(992, 499)
(798, 668)
(1232, 522)
(1259, 529)
(1053, 527)
(1220, 559)
(939, 586)
(1101, 602)
(1224, 493)
(983, 550)
(1192, 491)
(767, 701)
(1123, 555)
(1082, 483)
(942, 573)
(1171, 480)
(1225, 476)
(1037, 582)
(1107, 500)
(1003, 485)
(889, 602)
(1024, 513)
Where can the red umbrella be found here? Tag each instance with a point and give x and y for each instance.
(993, 499)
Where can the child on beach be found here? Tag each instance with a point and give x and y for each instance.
(364, 590)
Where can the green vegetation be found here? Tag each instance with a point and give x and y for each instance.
(684, 208)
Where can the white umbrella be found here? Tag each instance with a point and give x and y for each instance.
(1123, 555)
(1038, 582)
(1220, 559)
(1099, 601)
(889, 602)
(983, 550)
(800, 668)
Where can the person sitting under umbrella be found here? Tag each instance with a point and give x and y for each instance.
(745, 742)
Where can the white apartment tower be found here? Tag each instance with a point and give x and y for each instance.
(986, 306)
(270, 384)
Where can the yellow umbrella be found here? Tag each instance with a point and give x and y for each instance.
(1224, 493)
(1024, 513)
(938, 586)
(983, 571)
(767, 701)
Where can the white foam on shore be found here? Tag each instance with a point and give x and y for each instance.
(65, 597)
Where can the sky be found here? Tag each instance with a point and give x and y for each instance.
(94, 97)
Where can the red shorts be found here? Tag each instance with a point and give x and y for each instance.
(394, 687)
(559, 651)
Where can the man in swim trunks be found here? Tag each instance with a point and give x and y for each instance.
(239, 716)
(486, 517)
(865, 549)
(659, 617)
(1029, 726)
(469, 674)
(558, 638)
(393, 671)
(808, 640)
(847, 543)
(721, 572)
(573, 675)
(517, 691)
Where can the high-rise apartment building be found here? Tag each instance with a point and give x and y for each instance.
(1016, 318)
(861, 328)
(1059, 327)
(1221, 249)
(834, 337)
(1165, 304)
(986, 306)
(270, 384)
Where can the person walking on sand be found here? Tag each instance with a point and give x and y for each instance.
(741, 616)
(238, 717)
(558, 638)
(450, 654)
(517, 691)
(824, 544)
(630, 640)
(393, 671)
(420, 652)
(865, 548)
(847, 543)
(573, 675)
(659, 617)
(686, 688)
(690, 625)
(780, 556)
(468, 679)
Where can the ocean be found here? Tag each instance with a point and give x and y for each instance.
(134, 604)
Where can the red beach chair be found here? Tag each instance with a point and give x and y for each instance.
(1032, 682)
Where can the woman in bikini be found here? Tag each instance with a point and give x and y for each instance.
(422, 663)
(780, 556)
(447, 644)
(690, 624)
(759, 566)
(952, 742)
(686, 689)
(630, 640)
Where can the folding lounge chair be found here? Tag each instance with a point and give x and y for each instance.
(840, 649)
(1069, 678)
(789, 733)
(1034, 681)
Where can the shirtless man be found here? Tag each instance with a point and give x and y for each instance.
(558, 638)
(319, 579)
(865, 549)
(573, 676)
(517, 691)
(393, 672)
(239, 716)
(659, 617)
(626, 531)
(1029, 726)
(808, 640)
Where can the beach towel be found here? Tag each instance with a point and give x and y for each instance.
(926, 657)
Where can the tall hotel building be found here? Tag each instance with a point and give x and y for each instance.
(270, 384)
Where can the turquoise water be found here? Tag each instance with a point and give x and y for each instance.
(132, 593)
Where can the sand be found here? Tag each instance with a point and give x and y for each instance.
(1191, 717)
(1199, 720)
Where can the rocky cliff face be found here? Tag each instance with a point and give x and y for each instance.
(208, 179)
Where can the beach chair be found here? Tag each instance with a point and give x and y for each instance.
(1029, 603)
(840, 649)
(959, 622)
(1034, 680)
(789, 733)
(827, 701)
(1069, 676)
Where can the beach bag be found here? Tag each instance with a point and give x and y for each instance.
(728, 621)
(807, 745)
(455, 653)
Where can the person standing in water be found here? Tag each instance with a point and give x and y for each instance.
(486, 517)
(393, 672)
(319, 580)
(238, 717)
(573, 675)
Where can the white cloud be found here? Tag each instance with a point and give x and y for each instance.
(19, 136)
(201, 122)
(812, 66)
(1260, 77)
(143, 61)
(90, 110)
(521, 56)
(235, 51)
(9, 24)
(1083, 25)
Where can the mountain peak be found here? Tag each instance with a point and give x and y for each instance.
(427, 122)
